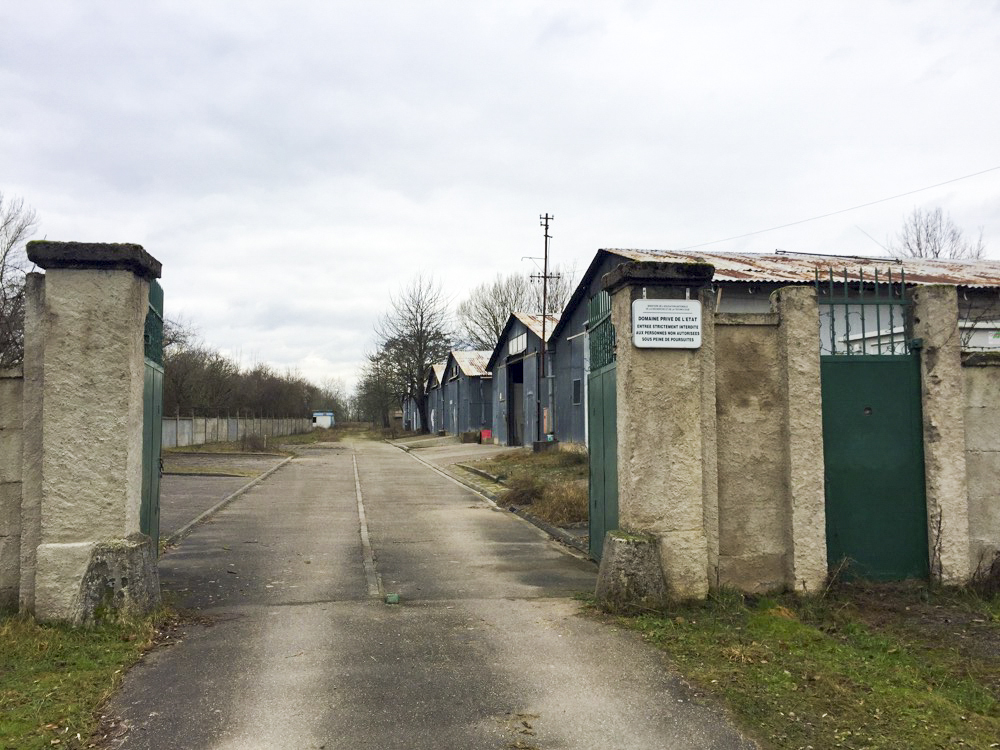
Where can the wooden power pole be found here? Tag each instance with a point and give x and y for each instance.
(544, 278)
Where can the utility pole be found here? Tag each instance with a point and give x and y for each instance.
(544, 278)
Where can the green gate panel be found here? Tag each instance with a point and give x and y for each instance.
(876, 514)
(152, 417)
(152, 436)
(603, 446)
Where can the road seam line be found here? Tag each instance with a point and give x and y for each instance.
(554, 533)
(368, 558)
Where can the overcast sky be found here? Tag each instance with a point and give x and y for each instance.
(293, 163)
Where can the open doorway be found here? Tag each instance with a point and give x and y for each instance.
(515, 404)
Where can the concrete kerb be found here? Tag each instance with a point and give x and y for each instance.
(186, 529)
(559, 535)
(480, 472)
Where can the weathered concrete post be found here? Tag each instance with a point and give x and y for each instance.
(935, 321)
(31, 491)
(798, 334)
(91, 555)
(662, 440)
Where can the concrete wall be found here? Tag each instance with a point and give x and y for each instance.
(720, 447)
(752, 466)
(981, 381)
(11, 440)
(179, 432)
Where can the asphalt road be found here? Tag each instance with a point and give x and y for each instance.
(183, 497)
(486, 649)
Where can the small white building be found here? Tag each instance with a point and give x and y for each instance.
(323, 419)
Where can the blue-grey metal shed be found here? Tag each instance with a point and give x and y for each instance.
(435, 397)
(468, 392)
(519, 394)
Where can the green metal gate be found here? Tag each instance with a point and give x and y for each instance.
(152, 416)
(876, 514)
(602, 415)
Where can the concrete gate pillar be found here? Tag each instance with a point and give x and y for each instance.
(806, 562)
(665, 427)
(90, 555)
(935, 321)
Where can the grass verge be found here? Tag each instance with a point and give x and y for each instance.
(54, 678)
(553, 483)
(863, 667)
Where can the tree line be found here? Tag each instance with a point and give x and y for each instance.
(202, 381)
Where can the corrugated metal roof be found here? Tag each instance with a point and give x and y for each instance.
(438, 371)
(472, 364)
(534, 323)
(802, 267)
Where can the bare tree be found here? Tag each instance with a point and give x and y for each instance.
(932, 234)
(178, 334)
(482, 316)
(412, 336)
(17, 224)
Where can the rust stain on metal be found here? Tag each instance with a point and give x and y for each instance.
(802, 267)
(472, 364)
(534, 323)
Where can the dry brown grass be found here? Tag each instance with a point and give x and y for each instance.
(523, 489)
(563, 503)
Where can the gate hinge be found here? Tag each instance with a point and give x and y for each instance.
(916, 344)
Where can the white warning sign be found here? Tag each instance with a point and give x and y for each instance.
(666, 323)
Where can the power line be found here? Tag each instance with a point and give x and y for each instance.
(841, 211)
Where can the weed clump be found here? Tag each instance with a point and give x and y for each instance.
(564, 503)
(253, 444)
(986, 580)
(523, 489)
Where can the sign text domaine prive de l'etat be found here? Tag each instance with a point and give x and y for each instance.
(666, 323)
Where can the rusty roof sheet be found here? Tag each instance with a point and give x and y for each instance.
(472, 364)
(802, 267)
(534, 322)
